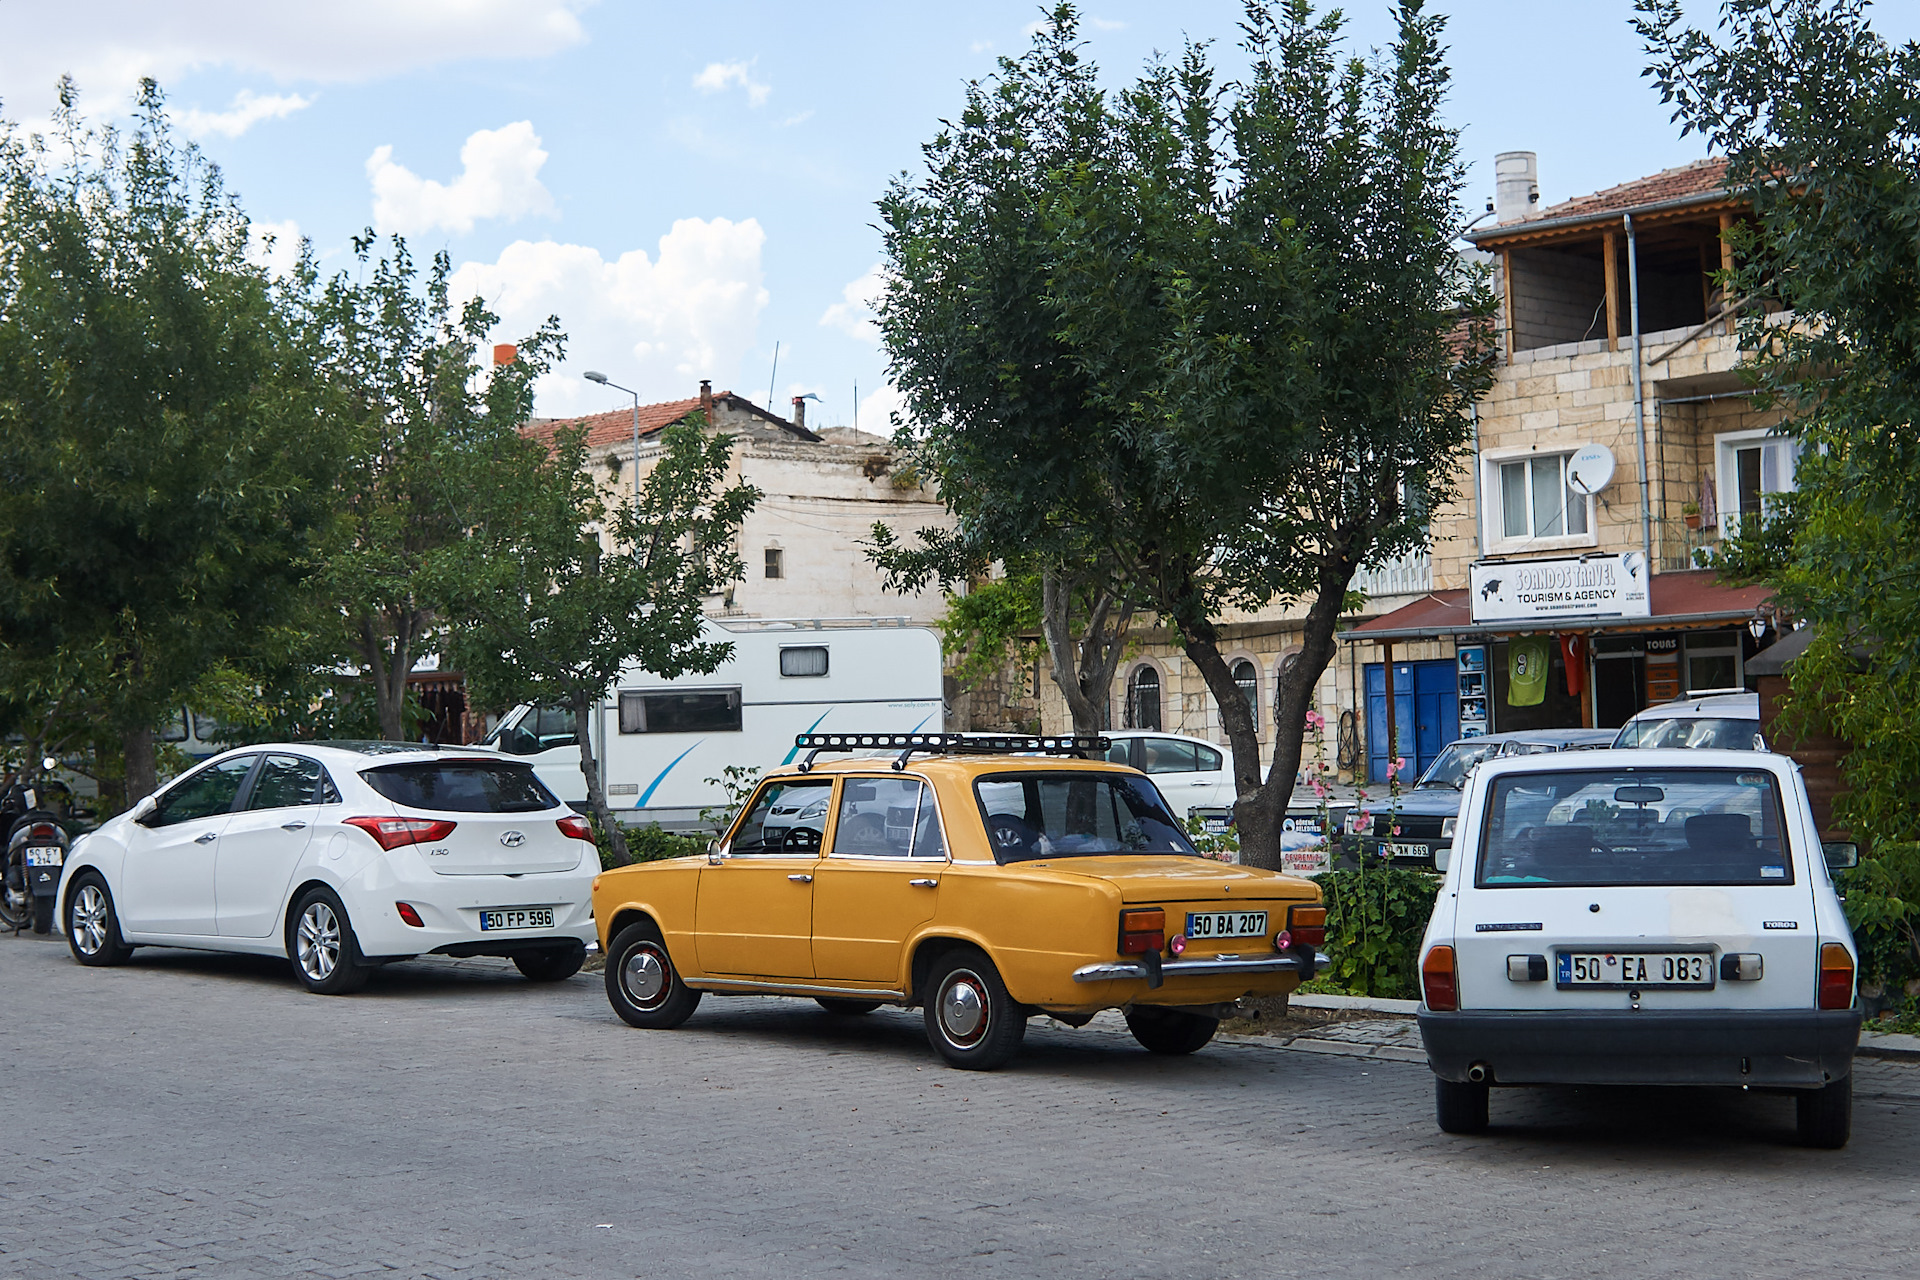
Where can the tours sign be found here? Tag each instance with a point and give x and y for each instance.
(1591, 586)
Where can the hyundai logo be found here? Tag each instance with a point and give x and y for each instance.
(512, 839)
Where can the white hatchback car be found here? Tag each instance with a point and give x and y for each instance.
(1641, 917)
(341, 856)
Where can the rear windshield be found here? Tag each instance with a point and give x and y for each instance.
(1723, 733)
(1060, 815)
(462, 786)
(1634, 826)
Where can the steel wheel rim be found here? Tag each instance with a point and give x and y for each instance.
(963, 1011)
(318, 941)
(647, 976)
(90, 920)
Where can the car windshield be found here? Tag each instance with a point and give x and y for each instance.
(1634, 826)
(462, 786)
(1068, 814)
(1725, 733)
(1450, 769)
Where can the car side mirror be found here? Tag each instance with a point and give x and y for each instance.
(1442, 859)
(1842, 855)
(715, 854)
(144, 810)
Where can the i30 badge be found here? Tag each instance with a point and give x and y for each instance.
(512, 839)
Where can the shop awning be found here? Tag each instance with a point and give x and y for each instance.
(1687, 599)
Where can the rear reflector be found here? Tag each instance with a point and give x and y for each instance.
(1836, 977)
(391, 833)
(408, 914)
(577, 827)
(1438, 981)
(1142, 931)
(1308, 925)
(42, 831)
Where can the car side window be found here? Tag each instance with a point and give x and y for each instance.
(1121, 752)
(286, 781)
(786, 817)
(1208, 758)
(204, 794)
(887, 818)
(1170, 755)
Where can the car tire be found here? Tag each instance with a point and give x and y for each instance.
(1460, 1107)
(1170, 1031)
(1824, 1117)
(643, 986)
(556, 964)
(42, 915)
(846, 1008)
(93, 926)
(320, 943)
(971, 1020)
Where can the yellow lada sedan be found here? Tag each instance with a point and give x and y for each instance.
(983, 879)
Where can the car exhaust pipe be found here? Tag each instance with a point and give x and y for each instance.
(1479, 1073)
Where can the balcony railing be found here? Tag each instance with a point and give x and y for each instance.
(1404, 575)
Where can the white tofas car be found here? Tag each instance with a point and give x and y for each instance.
(341, 857)
(1641, 917)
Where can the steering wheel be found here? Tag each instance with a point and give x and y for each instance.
(800, 840)
(1014, 835)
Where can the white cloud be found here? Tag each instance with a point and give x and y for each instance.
(109, 44)
(248, 109)
(853, 315)
(878, 410)
(499, 178)
(802, 118)
(717, 77)
(274, 245)
(1106, 24)
(658, 324)
(981, 46)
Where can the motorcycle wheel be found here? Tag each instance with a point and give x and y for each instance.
(16, 904)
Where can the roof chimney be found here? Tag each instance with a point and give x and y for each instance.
(1516, 184)
(505, 353)
(800, 411)
(706, 399)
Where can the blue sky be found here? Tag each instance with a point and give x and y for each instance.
(688, 184)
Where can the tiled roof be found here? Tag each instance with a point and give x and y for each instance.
(617, 424)
(1694, 179)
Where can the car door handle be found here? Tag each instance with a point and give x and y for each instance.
(924, 884)
(293, 826)
(208, 838)
(801, 878)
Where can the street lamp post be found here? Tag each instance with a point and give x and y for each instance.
(594, 375)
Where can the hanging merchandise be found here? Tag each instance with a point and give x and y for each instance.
(1527, 671)
(1573, 649)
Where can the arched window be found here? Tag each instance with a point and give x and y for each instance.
(1247, 676)
(1143, 699)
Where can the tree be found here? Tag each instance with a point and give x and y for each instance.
(550, 617)
(1819, 118)
(168, 478)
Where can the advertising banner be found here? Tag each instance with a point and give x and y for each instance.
(1593, 586)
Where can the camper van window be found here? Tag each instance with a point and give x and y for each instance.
(804, 660)
(680, 711)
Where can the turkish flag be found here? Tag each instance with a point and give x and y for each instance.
(1573, 649)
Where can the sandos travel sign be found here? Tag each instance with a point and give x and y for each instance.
(1595, 586)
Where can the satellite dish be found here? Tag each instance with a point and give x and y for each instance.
(1590, 469)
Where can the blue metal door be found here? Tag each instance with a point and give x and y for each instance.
(1426, 699)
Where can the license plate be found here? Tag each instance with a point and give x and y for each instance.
(44, 857)
(1634, 969)
(1226, 924)
(517, 918)
(1408, 850)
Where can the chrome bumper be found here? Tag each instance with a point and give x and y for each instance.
(1216, 967)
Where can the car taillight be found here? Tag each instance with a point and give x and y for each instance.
(1439, 981)
(1142, 931)
(577, 827)
(1307, 925)
(408, 914)
(1836, 977)
(42, 831)
(391, 833)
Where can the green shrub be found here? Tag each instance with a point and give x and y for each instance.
(1882, 898)
(1376, 917)
(651, 843)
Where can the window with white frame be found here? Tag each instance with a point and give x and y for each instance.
(1753, 467)
(1533, 502)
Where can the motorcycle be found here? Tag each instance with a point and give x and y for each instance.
(37, 847)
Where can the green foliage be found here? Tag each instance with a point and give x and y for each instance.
(738, 782)
(651, 843)
(1882, 898)
(989, 626)
(1376, 917)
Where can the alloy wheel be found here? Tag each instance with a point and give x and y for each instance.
(318, 941)
(90, 919)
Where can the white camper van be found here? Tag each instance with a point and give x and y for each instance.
(659, 741)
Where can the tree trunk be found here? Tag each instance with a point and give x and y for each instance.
(142, 771)
(583, 713)
(1082, 664)
(388, 678)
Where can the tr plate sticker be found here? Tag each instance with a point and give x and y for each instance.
(1534, 927)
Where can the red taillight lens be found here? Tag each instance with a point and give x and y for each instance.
(577, 827)
(1439, 980)
(42, 831)
(1836, 977)
(408, 914)
(1308, 925)
(1142, 931)
(391, 833)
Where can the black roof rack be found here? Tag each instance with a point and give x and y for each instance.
(952, 744)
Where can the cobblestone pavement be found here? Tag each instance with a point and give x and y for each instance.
(193, 1115)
